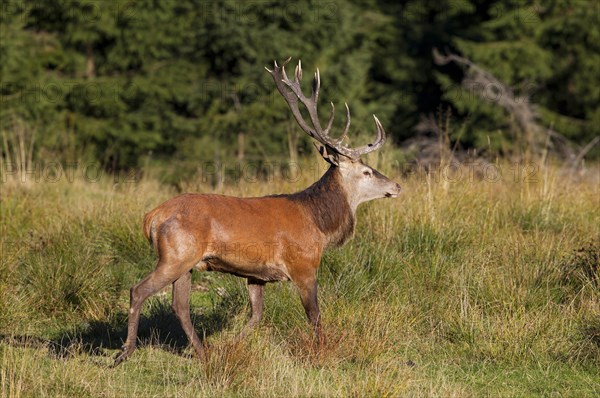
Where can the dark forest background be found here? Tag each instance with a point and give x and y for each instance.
(129, 83)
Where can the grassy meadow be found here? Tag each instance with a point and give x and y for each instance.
(462, 287)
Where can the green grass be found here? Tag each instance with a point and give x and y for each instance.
(469, 288)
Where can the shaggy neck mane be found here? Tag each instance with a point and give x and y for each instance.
(327, 203)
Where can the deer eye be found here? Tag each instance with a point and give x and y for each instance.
(367, 173)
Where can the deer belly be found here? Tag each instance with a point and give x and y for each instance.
(267, 272)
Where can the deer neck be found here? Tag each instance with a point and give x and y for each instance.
(327, 203)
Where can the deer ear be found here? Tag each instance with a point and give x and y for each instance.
(331, 158)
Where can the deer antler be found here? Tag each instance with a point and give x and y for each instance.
(292, 93)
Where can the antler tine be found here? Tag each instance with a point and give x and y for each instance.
(330, 121)
(283, 86)
(316, 86)
(345, 133)
(379, 140)
(310, 103)
(283, 64)
(298, 73)
(380, 133)
(284, 77)
(292, 93)
(338, 141)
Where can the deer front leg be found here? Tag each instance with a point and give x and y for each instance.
(256, 292)
(308, 295)
(181, 306)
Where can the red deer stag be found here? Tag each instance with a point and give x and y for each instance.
(266, 239)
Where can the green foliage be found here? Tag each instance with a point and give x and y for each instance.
(547, 53)
(121, 81)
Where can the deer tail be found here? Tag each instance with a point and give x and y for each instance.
(149, 226)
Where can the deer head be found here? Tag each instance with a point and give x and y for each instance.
(361, 182)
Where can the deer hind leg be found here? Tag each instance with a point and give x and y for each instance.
(181, 306)
(256, 292)
(159, 278)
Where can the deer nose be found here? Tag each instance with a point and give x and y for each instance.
(398, 187)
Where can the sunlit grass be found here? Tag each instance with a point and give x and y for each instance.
(463, 288)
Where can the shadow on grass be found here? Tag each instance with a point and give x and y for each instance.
(159, 327)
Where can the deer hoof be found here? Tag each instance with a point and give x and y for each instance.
(123, 355)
